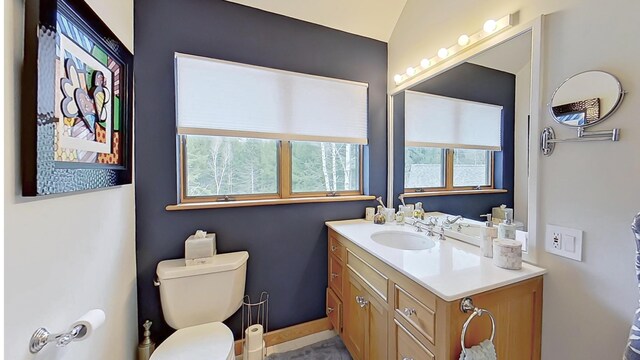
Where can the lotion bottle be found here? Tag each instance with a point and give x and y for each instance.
(507, 229)
(488, 233)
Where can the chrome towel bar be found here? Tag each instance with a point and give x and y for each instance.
(466, 306)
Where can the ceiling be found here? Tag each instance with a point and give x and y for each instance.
(374, 19)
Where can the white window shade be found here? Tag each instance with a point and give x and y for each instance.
(215, 97)
(443, 122)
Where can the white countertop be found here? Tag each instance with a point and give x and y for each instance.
(451, 270)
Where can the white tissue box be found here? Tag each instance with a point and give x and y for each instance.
(199, 250)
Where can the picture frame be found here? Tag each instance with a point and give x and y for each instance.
(77, 100)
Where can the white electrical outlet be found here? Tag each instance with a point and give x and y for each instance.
(563, 241)
(556, 241)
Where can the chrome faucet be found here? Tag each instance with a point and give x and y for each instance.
(446, 223)
(417, 224)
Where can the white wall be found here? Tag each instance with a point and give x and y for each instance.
(589, 305)
(67, 254)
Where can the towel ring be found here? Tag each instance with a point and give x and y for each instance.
(466, 305)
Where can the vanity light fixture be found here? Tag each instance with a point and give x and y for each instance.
(490, 26)
(463, 40)
(489, 29)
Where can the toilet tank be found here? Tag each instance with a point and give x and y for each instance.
(199, 294)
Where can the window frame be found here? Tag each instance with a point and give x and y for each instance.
(283, 178)
(448, 176)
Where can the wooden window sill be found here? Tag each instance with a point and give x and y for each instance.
(241, 203)
(453, 192)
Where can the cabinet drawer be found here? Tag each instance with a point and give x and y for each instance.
(371, 276)
(408, 347)
(335, 247)
(419, 315)
(334, 310)
(335, 275)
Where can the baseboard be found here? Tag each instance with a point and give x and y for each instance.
(291, 333)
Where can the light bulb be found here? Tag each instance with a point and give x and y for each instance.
(425, 63)
(411, 71)
(443, 53)
(490, 26)
(463, 40)
(397, 78)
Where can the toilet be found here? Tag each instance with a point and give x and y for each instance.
(195, 300)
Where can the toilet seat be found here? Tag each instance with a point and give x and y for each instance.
(211, 341)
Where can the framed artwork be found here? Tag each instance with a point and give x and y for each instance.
(578, 113)
(77, 101)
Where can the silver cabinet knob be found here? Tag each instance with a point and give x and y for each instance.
(409, 311)
(334, 275)
(329, 310)
(361, 301)
(334, 248)
(406, 358)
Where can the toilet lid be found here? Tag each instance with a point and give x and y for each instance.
(212, 341)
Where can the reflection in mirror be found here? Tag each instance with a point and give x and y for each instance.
(586, 99)
(433, 160)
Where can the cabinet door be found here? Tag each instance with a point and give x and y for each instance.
(377, 328)
(354, 317)
(334, 310)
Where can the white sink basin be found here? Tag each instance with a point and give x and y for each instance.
(403, 240)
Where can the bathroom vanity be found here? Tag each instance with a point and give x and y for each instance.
(389, 302)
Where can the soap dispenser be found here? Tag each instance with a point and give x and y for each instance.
(507, 229)
(488, 233)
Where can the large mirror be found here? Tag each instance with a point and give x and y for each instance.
(586, 99)
(452, 174)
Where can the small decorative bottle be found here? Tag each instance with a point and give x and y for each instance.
(378, 218)
(418, 213)
(146, 347)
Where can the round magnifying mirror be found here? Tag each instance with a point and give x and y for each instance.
(586, 99)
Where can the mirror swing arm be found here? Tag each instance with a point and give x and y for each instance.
(548, 138)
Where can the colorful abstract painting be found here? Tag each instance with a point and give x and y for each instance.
(83, 107)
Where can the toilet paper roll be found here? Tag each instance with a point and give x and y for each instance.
(92, 320)
(256, 354)
(253, 336)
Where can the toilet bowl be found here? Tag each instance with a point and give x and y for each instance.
(195, 300)
(212, 341)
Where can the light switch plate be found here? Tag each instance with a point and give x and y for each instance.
(570, 242)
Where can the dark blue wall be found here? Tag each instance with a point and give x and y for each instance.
(286, 243)
(475, 83)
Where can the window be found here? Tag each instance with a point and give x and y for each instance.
(226, 166)
(424, 167)
(253, 133)
(325, 167)
(471, 168)
(449, 143)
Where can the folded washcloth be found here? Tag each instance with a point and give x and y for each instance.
(484, 351)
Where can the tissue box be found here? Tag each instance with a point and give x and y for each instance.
(199, 250)
(500, 213)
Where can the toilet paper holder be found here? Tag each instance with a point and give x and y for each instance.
(78, 330)
(42, 337)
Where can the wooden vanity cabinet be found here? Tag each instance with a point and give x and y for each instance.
(365, 324)
(382, 314)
